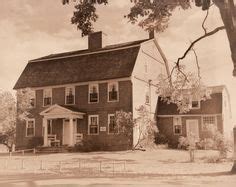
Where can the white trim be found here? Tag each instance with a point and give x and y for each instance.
(180, 121)
(44, 90)
(89, 116)
(90, 85)
(88, 53)
(81, 83)
(117, 85)
(73, 92)
(108, 125)
(66, 114)
(26, 127)
(187, 115)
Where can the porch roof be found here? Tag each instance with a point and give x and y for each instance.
(58, 111)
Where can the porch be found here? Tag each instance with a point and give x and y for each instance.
(61, 126)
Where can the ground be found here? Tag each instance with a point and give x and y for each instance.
(139, 168)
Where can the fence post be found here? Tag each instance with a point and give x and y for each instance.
(22, 164)
(124, 165)
(60, 166)
(113, 167)
(234, 155)
(6, 164)
(10, 154)
(41, 164)
(100, 166)
(34, 150)
(23, 152)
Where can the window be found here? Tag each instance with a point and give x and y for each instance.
(93, 124)
(177, 125)
(47, 97)
(208, 123)
(70, 96)
(194, 103)
(113, 91)
(32, 99)
(93, 93)
(30, 128)
(112, 126)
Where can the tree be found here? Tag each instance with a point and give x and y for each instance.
(142, 125)
(7, 119)
(155, 15)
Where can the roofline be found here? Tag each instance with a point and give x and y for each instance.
(78, 83)
(88, 53)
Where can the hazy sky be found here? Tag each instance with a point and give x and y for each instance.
(31, 28)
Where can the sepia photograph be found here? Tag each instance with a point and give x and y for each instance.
(117, 93)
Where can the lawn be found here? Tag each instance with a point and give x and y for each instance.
(153, 162)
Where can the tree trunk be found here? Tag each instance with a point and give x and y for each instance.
(228, 14)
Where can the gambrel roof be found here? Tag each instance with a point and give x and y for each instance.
(111, 62)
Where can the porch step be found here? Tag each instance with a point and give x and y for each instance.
(61, 149)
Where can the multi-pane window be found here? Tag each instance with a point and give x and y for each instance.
(47, 97)
(30, 128)
(177, 125)
(70, 95)
(113, 91)
(93, 93)
(194, 103)
(112, 125)
(93, 124)
(208, 123)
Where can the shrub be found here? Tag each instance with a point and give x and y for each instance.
(161, 138)
(35, 142)
(88, 146)
(183, 143)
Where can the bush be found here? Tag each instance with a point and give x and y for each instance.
(35, 142)
(88, 146)
(173, 144)
(183, 143)
(160, 138)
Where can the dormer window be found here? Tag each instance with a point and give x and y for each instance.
(47, 97)
(195, 104)
(93, 93)
(70, 96)
(113, 92)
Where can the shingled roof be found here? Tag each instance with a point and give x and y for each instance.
(110, 62)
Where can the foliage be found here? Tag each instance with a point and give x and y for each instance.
(88, 146)
(7, 119)
(24, 104)
(35, 142)
(145, 127)
(161, 138)
(181, 91)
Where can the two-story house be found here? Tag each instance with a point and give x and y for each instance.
(77, 93)
(213, 113)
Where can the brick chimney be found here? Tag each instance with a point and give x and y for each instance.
(95, 40)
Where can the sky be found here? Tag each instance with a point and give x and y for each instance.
(30, 29)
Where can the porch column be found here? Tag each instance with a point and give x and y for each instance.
(234, 156)
(71, 135)
(45, 135)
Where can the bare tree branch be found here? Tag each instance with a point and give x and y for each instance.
(197, 63)
(204, 21)
(197, 40)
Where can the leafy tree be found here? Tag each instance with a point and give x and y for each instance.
(154, 15)
(142, 125)
(7, 119)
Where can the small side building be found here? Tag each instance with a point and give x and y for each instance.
(214, 112)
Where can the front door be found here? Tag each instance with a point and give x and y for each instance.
(192, 129)
(66, 131)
